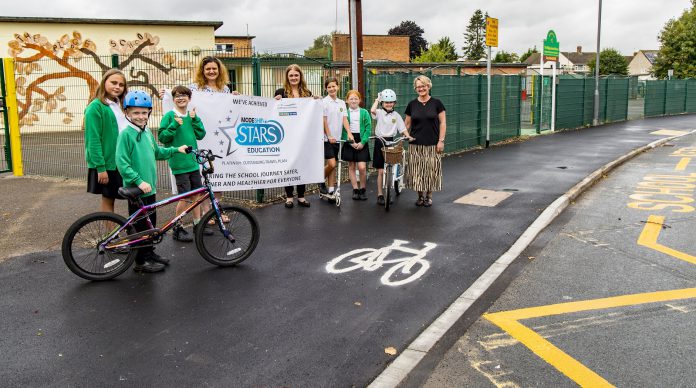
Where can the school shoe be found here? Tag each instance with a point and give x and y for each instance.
(304, 203)
(356, 194)
(363, 195)
(148, 267)
(152, 256)
(322, 189)
(180, 234)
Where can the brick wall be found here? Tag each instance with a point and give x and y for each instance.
(391, 47)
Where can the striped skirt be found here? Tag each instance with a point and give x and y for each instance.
(424, 168)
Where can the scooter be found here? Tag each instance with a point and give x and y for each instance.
(335, 197)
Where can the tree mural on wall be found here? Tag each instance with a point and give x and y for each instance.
(72, 54)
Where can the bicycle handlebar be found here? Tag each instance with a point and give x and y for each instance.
(203, 155)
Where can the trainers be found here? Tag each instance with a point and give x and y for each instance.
(380, 200)
(356, 194)
(148, 266)
(363, 195)
(323, 189)
(152, 256)
(180, 234)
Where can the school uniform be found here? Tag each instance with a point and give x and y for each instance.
(101, 132)
(334, 112)
(361, 129)
(388, 125)
(136, 156)
(172, 134)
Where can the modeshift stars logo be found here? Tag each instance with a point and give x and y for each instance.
(259, 136)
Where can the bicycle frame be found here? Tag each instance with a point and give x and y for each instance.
(207, 193)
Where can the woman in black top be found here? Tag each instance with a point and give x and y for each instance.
(426, 122)
(294, 87)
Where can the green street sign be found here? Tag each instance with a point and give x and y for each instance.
(551, 47)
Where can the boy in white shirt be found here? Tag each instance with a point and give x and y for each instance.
(335, 121)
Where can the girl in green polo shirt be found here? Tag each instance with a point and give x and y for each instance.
(103, 120)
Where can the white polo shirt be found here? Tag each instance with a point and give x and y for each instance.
(388, 123)
(334, 111)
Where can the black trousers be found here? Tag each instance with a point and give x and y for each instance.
(142, 225)
(300, 191)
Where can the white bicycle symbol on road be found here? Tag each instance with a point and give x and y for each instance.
(372, 259)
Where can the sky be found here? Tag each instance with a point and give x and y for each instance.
(283, 26)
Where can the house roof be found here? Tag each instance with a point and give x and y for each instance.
(579, 58)
(651, 55)
(16, 19)
(235, 36)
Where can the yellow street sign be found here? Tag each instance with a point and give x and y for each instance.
(491, 32)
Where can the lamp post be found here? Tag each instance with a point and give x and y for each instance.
(595, 121)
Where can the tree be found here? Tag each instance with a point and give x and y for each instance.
(446, 46)
(320, 48)
(505, 57)
(474, 37)
(528, 54)
(435, 53)
(610, 62)
(678, 46)
(416, 42)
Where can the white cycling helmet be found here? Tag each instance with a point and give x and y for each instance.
(388, 95)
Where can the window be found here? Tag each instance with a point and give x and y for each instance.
(225, 48)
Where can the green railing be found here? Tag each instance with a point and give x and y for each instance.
(670, 97)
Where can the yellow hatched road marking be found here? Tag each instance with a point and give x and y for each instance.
(683, 162)
(576, 371)
(648, 238)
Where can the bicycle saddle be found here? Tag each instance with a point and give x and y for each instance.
(130, 193)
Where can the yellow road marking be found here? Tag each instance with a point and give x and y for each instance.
(648, 238)
(576, 371)
(683, 162)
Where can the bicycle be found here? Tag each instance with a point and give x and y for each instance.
(394, 167)
(103, 245)
(372, 259)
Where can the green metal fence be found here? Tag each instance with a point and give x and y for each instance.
(464, 97)
(575, 100)
(669, 97)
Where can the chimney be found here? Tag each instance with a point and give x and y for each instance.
(579, 50)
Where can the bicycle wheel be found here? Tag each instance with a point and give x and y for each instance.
(355, 259)
(405, 272)
(389, 179)
(399, 180)
(223, 251)
(80, 247)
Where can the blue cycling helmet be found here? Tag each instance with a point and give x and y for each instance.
(137, 99)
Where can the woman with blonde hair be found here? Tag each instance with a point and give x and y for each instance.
(211, 76)
(426, 121)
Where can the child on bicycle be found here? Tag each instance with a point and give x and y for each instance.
(136, 152)
(335, 121)
(178, 127)
(388, 123)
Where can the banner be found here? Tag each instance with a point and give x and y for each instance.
(263, 142)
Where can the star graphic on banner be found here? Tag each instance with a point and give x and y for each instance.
(228, 118)
(222, 142)
(216, 132)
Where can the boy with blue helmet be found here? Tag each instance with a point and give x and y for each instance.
(136, 153)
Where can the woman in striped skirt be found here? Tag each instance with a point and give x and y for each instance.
(426, 122)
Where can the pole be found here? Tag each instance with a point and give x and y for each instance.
(595, 121)
(488, 98)
(359, 44)
(353, 45)
(553, 97)
(541, 89)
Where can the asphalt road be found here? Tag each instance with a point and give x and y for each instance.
(610, 284)
(281, 319)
